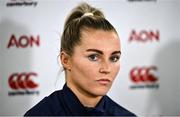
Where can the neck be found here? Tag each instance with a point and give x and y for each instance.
(86, 99)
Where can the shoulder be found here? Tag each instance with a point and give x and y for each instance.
(50, 105)
(117, 110)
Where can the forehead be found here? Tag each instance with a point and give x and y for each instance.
(100, 39)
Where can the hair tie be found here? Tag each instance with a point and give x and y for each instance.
(87, 14)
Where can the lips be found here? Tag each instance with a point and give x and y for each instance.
(103, 81)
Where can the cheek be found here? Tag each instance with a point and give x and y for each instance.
(85, 68)
(115, 70)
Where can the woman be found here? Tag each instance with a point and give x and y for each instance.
(90, 53)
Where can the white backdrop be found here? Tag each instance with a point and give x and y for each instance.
(148, 83)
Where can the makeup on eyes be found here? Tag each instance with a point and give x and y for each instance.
(94, 55)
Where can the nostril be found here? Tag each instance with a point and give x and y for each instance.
(105, 71)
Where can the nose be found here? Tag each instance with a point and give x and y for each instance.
(105, 67)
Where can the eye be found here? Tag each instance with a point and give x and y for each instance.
(93, 57)
(114, 58)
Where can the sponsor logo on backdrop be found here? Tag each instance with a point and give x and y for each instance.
(23, 41)
(144, 77)
(144, 36)
(21, 3)
(23, 84)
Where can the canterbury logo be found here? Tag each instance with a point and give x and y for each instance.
(143, 74)
(22, 81)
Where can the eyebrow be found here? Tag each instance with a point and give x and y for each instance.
(100, 52)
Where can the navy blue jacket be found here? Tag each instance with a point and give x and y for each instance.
(65, 103)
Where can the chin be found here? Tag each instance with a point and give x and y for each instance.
(101, 92)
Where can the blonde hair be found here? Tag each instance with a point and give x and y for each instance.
(83, 16)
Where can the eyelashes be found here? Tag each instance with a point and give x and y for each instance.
(93, 57)
(114, 58)
(97, 57)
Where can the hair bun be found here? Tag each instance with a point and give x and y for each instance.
(82, 10)
(87, 14)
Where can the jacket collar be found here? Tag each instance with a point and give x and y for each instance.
(76, 108)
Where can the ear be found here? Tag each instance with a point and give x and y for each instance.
(65, 60)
